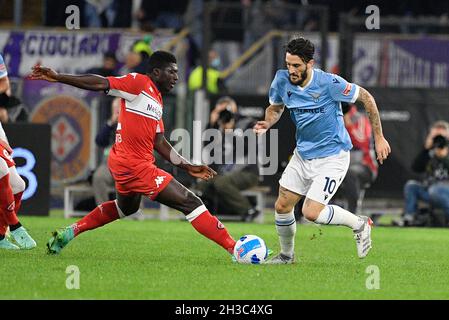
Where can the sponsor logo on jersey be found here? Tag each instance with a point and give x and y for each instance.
(146, 106)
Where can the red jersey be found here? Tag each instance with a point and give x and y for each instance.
(360, 133)
(140, 116)
(131, 160)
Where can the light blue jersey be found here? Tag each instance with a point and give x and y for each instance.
(3, 72)
(316, 111)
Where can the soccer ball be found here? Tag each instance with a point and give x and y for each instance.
(250, 249)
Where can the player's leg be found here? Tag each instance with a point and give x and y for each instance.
(6, 205)
(331, 172)
(178, 197)
(285, 225)
(18, 232)
(292, 186)
(103, 214)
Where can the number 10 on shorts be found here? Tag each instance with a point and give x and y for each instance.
(330, 185)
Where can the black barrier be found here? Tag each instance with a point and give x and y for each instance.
(406, 116)
(32, 154)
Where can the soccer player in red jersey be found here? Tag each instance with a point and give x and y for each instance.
(140, 130)
(12, 185)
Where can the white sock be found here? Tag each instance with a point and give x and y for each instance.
(332, 214)
(286, 228)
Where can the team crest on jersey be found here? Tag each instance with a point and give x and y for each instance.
(70, 121)
(315, 96)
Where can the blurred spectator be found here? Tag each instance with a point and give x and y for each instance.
(99, 13)
(215, 84)
(137, 59)
(363, 165)
(223, 191)
(102, 180)
(162, 14)
(109, 67)
(433, 161)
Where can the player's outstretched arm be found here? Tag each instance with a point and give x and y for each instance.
(88, 82)
(381, 144)
(272, 115)
(167, 151)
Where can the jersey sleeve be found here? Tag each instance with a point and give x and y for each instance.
(342, 90)
(127, 87)
(3, 71)
(274, 96)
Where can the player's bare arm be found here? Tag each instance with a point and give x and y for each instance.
(382, 146)
(166, 150)
(272, 115)
(88, 82)
(4, 85)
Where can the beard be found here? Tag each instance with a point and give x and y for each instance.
(302, 78)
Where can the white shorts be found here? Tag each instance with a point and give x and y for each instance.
(317, 179)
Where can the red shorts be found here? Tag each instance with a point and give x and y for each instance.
(5, 153)
(138, 177)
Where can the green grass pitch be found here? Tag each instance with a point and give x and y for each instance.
(169, 260)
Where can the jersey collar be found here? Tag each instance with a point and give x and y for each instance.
(308, 84)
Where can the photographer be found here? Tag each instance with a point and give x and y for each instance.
(433, 161)
(223, 191)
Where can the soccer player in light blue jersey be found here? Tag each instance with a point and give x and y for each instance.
(321, 157)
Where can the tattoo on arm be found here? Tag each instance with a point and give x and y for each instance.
(274, 113)
(371, 109)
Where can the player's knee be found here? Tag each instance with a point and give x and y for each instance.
(192, 202)
(283, 207)
(310, 213)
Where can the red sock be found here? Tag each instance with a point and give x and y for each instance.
(210, 227)
(18, 201)
(3, 225)
(101, 215)
(7, 202)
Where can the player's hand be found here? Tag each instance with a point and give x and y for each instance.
(261, 127)
(382, 149)
(43, 73)
(201, 171)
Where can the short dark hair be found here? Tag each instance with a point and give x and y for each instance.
(160, 59)
(302, 48)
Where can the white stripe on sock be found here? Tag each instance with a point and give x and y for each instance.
(332, 214)
(195, 213)
(120, 212)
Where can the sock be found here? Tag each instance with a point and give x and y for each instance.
(210, 227)
(15, 226)
(101, 215)
(3, 227)
(332, 214)
(7, 203)
(18, 201)
(286, 229)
